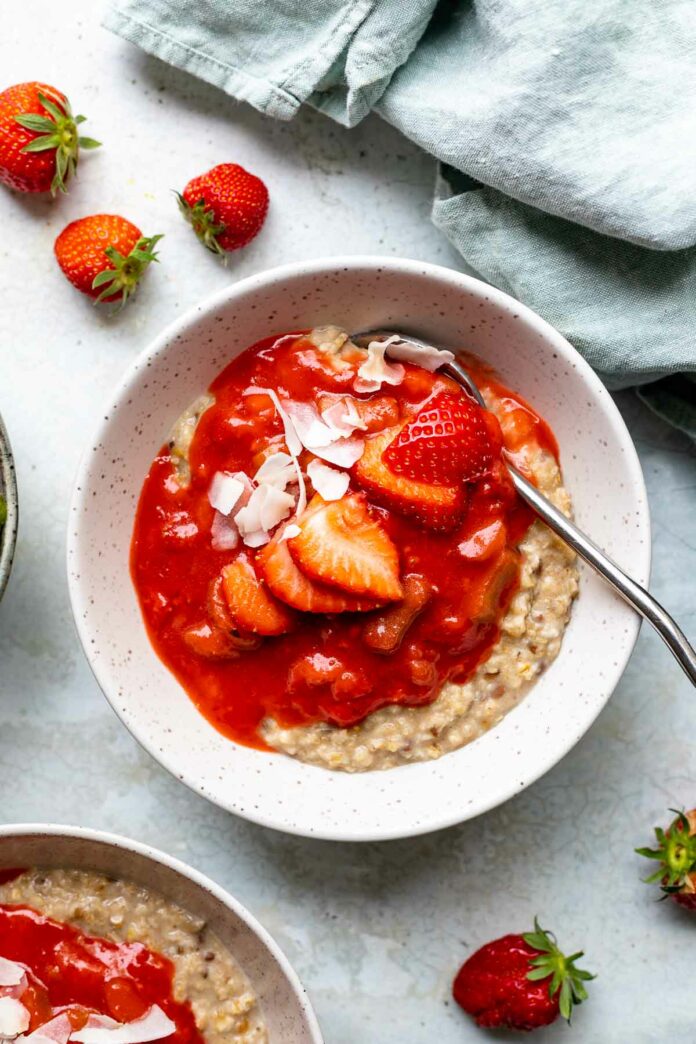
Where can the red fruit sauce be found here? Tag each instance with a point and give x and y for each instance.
(322, 671)
(72, 972)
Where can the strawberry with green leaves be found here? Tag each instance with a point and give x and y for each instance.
(226, 207)
(39, 138)
(676, 855)
(105, 256)
(520, 982)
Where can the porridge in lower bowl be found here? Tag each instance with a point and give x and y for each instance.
(330, 555)
(88, 959)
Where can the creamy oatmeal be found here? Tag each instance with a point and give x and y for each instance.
(530, 639)
(205, 973)
(296, 476)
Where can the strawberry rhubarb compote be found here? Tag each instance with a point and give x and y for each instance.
(331, 558)
(96, 960)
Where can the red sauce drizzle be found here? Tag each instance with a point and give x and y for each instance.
(78, 973)
(173, 562)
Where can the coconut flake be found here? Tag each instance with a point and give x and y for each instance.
(321, 440)
(291, 437)
(285, 338)
(14, 1017)
(226, 490)
(266, 509)
(289, 532)
(423, 355)
(311, 429)
(257, 539)
(100, 1029)
(56, 1031)
(344, 453)
(376, 371)
(248, 518)
(276, 507)
(277, 470)
(302, 494)
(343, 417)
(11, 973)
(328, 483)
(224, 533)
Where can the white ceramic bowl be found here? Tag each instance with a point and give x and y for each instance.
(8, 490)
(601, 471)
(285, 1004)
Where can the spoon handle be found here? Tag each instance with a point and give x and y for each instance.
(631, 592)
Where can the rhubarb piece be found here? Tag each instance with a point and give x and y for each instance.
(385, 631)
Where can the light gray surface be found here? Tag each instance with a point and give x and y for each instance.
(374, 931)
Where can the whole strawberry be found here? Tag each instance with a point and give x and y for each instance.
(226, 207)
(104, 255)
(451, 440)
(676, 854)
(520, 982)
(39, 139)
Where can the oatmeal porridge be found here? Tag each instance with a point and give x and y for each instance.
(330, 555)
(94, 954)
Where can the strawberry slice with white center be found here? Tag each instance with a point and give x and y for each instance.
(433, 506)
(288, 583)
(341, 545)
(450, 440)
(251, 605)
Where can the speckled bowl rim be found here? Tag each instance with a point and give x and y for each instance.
(199, 879)
(321, 267)
(8, 488)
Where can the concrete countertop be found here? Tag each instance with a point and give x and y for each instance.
(376, 931)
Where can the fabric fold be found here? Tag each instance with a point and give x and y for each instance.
(567, 130)
(629, 311)
(275, 56)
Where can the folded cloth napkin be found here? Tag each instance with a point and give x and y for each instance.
(566, 129)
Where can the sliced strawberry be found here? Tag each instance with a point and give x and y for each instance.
(450, 440)
(342, 546)
(436, 507)
(252, 607)
(290, 584)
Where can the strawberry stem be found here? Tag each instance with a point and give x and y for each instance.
(550, 963)
(126, 272)
(58, 131)
(202, 220)
(675, 852)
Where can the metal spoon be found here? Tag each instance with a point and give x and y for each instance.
(631, 592)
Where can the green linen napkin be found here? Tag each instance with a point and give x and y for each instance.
(567, 129)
